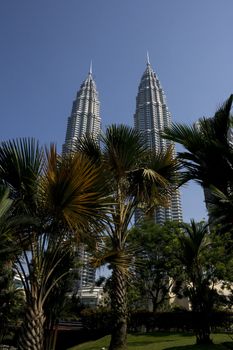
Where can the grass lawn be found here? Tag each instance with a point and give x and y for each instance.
(161, 341)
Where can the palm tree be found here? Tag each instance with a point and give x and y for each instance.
(62, 196)
(208, 155)
(194, 247)
(132, 176)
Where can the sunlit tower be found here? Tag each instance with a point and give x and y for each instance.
(85, 114)
(151, 117)
(84, 120)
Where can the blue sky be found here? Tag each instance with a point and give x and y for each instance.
(47, 46)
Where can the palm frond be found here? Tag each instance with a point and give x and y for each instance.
(221, 209)
(188, 136)
(193, 238)
(154, 183)
(5, 201)
(73, 189)
(123, 147)
(207, 143)
(123, 259)
(21, 163)
(222, 121)
(89, 146)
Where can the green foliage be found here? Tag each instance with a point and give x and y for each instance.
(100, 319)
(176, 320)
(208, 159)
(206, 265)
(12, 302)
(208, 148)
(156, 265)
(71, 308)
(11, 298)
(200, 252)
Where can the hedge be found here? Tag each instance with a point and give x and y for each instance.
(102, 320)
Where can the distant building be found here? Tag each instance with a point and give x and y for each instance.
(151, 117)
(18, 282)
(86, 271)
(92, 296)
(84, 120)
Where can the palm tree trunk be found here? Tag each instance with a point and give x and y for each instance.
(119, 310)
(32, 333)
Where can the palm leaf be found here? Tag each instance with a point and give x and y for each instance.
(21, 162)
(5, 201)
(193, 239)
(122, 148)
(89, 146)
(207, 144)
(221, 209)
(73, 189)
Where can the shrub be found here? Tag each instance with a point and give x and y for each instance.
(97, 319)
(178, 321)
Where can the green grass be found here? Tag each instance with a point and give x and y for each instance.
(161, 341)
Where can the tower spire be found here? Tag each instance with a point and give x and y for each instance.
(147, 58)
(90, 69)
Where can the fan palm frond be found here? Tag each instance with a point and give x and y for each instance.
(20, 163)
(123, 147)
(73, 189)
(208, 158)
(89, 146)
(193, 239)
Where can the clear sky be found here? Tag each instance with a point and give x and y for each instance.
(47, 45)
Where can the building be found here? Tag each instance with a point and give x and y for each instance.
(84, 120)
(86, 271)
(92, 297)
(151, 117)
(85, 114)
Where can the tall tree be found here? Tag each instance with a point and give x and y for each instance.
(208, 159)
(63, 196)
(156, 266)
(201, 255)
(133, 176)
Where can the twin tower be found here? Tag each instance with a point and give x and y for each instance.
(150, 118)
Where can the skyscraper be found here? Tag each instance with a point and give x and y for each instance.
(85, 114)
(84, 119)
(151, 117)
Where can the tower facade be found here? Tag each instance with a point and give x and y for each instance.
(151, 117)
(84, 120)
(85, 114)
